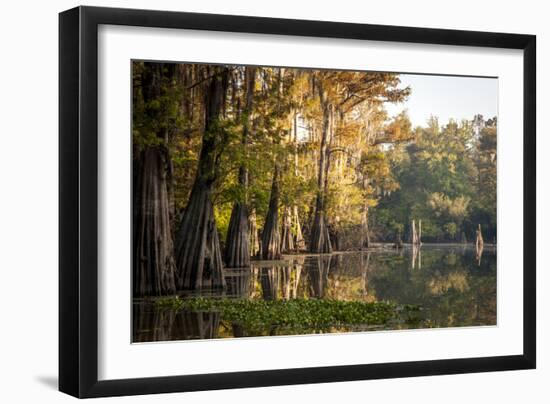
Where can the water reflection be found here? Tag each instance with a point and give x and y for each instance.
(152, 324)
(454, 286)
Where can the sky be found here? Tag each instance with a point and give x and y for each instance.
(447, 97)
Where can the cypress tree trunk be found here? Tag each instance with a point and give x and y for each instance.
(237, 253)
(198, 255)
(271, 238)
(198, 258)
(153, 260)
(319, 238)
(153, 247)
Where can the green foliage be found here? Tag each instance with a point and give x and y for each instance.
(447, 179)
(318, 314)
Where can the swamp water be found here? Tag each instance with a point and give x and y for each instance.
(450, 284)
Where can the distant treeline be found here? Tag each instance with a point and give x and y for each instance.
(447, 179)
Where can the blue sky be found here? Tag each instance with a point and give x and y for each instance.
(447, 97)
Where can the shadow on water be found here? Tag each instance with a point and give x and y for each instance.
(454, 284)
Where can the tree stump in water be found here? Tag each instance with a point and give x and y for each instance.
(479, 244)
(416, 236)
(398, 242)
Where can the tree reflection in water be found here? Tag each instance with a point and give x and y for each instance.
(451, 283)
(153, 324)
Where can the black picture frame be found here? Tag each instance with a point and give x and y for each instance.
(78, 201)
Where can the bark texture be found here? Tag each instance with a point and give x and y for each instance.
(199, 261)
(271, 237)
(154, 265)
(237, 249)
(198, 254)
(153, 259)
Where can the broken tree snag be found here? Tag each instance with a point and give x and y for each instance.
(479, 237)
(198, 254)
(398, 241)
(479, 244)
(413, 233)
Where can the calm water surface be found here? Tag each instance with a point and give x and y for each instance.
(453, 286)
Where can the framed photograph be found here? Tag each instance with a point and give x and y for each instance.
(251, 201)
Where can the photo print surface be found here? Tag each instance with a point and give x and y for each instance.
(274, 201)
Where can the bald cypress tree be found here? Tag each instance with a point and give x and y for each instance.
(153, 259)
(198, 253)
(237, 249)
